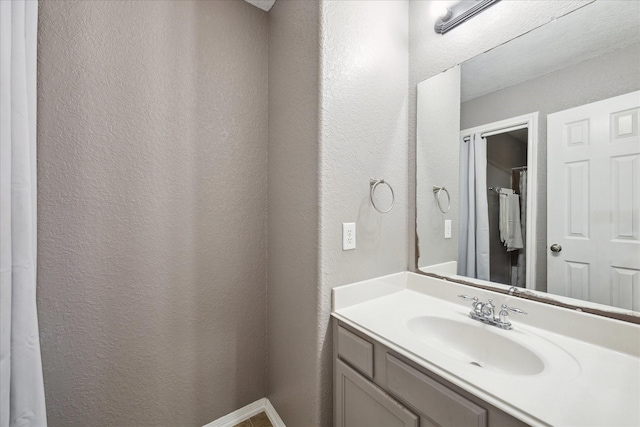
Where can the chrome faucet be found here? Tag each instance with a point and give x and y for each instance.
(485, 312)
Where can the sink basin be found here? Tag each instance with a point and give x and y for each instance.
(477, 345)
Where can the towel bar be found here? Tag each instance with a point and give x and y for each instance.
(436, 192)
(373, 184)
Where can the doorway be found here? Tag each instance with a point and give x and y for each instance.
(507, 173)
(504, 174)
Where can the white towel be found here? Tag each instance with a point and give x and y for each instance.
(502, 215)
(510, 228)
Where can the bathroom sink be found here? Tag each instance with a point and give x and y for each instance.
(477, 345)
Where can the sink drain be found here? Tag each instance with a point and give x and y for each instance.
(476, 364)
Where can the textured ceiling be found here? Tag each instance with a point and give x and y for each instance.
(262, 4)
(591, 31)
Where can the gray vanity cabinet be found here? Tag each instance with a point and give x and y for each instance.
(363, 404)
(375, 387)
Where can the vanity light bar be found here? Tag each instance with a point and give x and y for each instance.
(460, 12)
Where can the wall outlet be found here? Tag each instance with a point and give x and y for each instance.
(348, 236)
(447, 228)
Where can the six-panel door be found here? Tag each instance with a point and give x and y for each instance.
(593, 193)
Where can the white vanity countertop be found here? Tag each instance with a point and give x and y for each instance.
(592, 363)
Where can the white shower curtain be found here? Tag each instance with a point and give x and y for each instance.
(21, 384)
(522, 259)
(473, 243)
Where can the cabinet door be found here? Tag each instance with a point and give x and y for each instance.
(360, 403)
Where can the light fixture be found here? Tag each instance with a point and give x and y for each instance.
(459, 12)
(443, 12)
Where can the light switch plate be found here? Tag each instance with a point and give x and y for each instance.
(348, 236)
(447, 228)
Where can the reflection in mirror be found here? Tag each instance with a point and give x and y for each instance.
(497, 201)
(538, 143)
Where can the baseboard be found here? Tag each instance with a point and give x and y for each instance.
(247, 412)
(273, 415)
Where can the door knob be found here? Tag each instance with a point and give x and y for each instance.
(555, 247)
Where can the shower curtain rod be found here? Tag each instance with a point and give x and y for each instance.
(499, 131)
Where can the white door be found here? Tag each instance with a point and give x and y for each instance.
(593, 202)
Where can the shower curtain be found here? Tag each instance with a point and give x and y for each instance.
(473, 243)
(522, 259)
(21, 384)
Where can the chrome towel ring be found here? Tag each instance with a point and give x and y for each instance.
(436, 191)
(373, 184)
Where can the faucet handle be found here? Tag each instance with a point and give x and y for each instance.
(475, 303)
(504, 315)
(512, 309)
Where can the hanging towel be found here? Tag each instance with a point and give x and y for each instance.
(510, 226)
(503, 216)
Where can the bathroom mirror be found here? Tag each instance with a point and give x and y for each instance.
(497, 138)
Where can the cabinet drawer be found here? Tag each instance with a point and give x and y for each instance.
(444, 406)
(357, 351)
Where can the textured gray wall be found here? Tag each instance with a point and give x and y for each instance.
(431, 53)
(152, 123)
(293, 210)
(363, 134)
(612, 74)
(337, 116)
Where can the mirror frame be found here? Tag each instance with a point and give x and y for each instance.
(540, 297)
